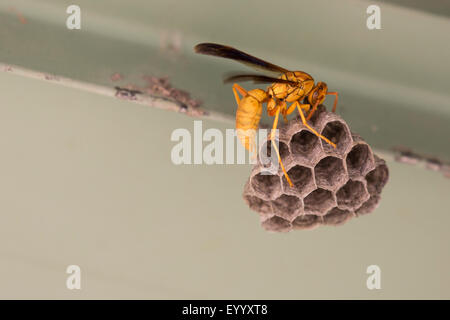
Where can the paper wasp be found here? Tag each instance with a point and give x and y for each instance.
(295, 87)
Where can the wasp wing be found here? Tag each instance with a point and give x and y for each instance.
(256, 78)
(218, 50)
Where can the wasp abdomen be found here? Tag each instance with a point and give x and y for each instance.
(248, 116)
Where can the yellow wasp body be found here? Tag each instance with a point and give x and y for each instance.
(295, 87)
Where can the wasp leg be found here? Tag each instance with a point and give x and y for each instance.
(272, 137)
(294, 106)
(312, 111)
(303, 106)
(271, 107)
(335, 100)
(241, 90)
(282, 106)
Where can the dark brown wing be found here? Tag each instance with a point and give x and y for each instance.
(256, 78)
(218, 50)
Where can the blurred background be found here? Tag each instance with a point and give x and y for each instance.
(87, 179)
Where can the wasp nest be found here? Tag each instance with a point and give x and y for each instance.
(330, 185)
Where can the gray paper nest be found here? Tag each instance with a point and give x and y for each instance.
(330, 186)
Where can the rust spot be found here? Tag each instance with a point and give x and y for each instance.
(170, 43)
(19, 15)
(446, 171)
(433, 164)
(126, 94)
(50, 77)
(406, 155)
(116, 77)
(161, 86)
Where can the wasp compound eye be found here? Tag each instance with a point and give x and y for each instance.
(330, 186)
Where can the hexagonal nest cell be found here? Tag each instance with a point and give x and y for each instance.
(266, 185)
(352, 195)
(330, 185)
(265, 158)
(337, 217)
(319, 201)
(304, 146)
(359, 160)
(287, 207)
(338, 133)
(330, 173)
(302, 179)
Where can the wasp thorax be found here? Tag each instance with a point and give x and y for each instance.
(302, 84)
(278, 90)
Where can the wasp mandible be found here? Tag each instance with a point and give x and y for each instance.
(295, 87)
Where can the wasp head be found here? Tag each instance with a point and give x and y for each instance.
(318, 93)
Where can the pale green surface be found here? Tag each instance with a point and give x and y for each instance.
(393, 83)
(88, 180)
